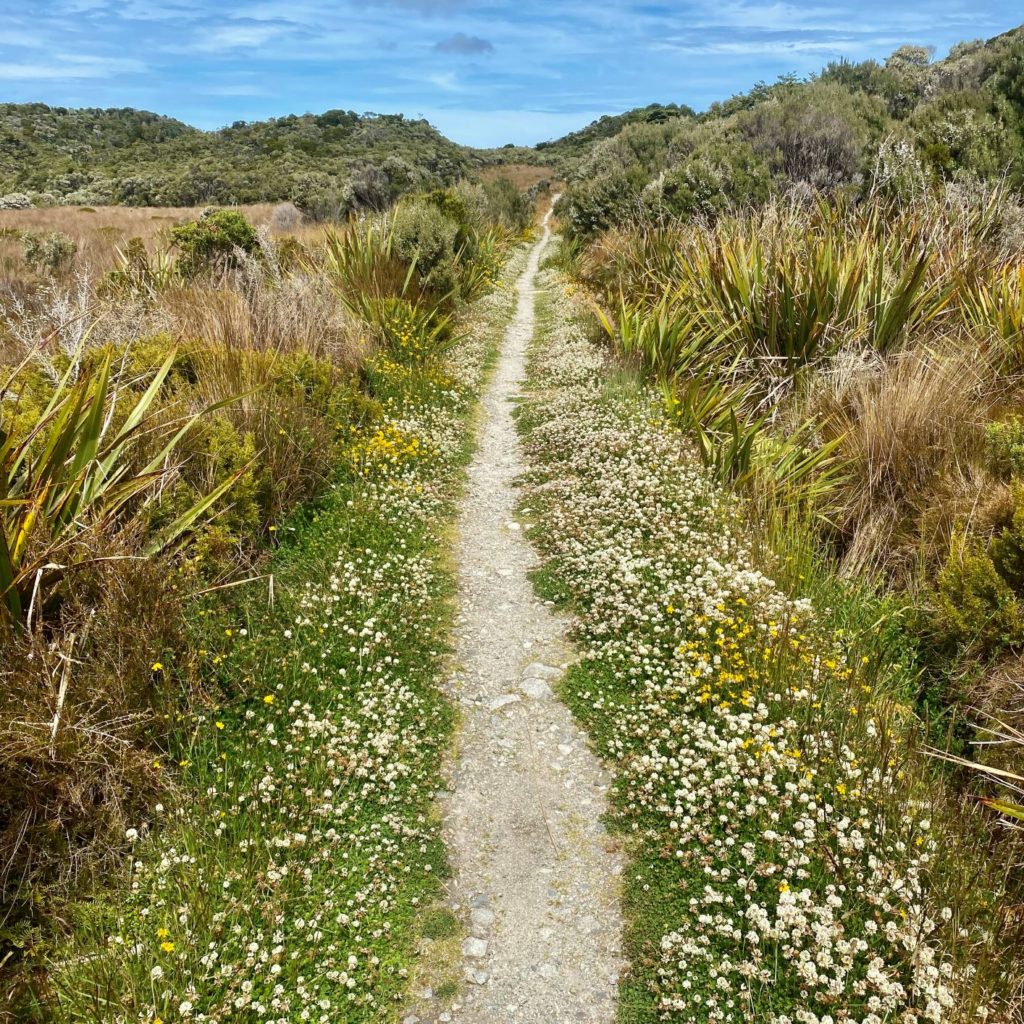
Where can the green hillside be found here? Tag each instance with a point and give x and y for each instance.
(128, 156)
(899, 125)
(906, 120)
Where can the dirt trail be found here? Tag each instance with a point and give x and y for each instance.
(534, 873)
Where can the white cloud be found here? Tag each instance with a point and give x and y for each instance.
(761, 47)
(236, 37)
(445, 80)
(69, 67)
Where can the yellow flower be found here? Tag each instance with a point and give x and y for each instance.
(783, 887)
(157, 666)
(167, 947)
(162, 933)
(269, 699)
(220, 725)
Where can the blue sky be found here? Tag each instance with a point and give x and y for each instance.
(484, 73)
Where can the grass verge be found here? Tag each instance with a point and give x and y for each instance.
(794, 857)
(285, 877)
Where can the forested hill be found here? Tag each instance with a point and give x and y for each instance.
(909, 118)
(96, 157)
(899, 125)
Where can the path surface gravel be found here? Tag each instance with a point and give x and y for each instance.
(536, 877)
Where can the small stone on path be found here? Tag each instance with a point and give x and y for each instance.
(503, 701)
(481, 920)
(538, 670)
(536, 688)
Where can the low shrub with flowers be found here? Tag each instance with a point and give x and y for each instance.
(794, 857)
(285, 879)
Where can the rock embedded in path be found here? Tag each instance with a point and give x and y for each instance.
(480, 921)
(538, 670)
(536, 688)
(503, 701)
(474, 948)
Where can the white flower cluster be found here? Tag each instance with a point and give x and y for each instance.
(778, 835)
(283, 889)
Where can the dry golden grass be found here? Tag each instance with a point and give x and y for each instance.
(299, 313)
(912, 429)
(99, 232)
(523, 176)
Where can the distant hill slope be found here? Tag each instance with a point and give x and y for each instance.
(577, 143)
(900, 125)
(129, 156)
(962, 116)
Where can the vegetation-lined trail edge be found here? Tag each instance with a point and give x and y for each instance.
(285, 736)
(532, 863)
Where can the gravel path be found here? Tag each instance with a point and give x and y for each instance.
(536, 877)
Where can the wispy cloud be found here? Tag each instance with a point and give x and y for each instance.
(488, 71)
(762, 47)
(65, 67)
(236, 37)
(445, 80)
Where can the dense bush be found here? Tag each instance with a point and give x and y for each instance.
(327, 163)
(425, 237)
(51, 252)
(15, 201)
(214, 241)
(898, 128)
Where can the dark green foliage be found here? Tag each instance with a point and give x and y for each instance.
(961, 118)
(715, 178)
(213, 241)
(326, 163)
(576, 144)
(50, 252)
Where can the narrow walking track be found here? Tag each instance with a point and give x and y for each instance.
(534, 871)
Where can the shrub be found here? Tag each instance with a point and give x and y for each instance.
(80, 768)
(285, 217)
(596, 204)
(1004, 447)
(50, 253)
(426, 237)
(15, 201)
(506, 205)
(975, 607)
(211, 242)
(713, 180)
